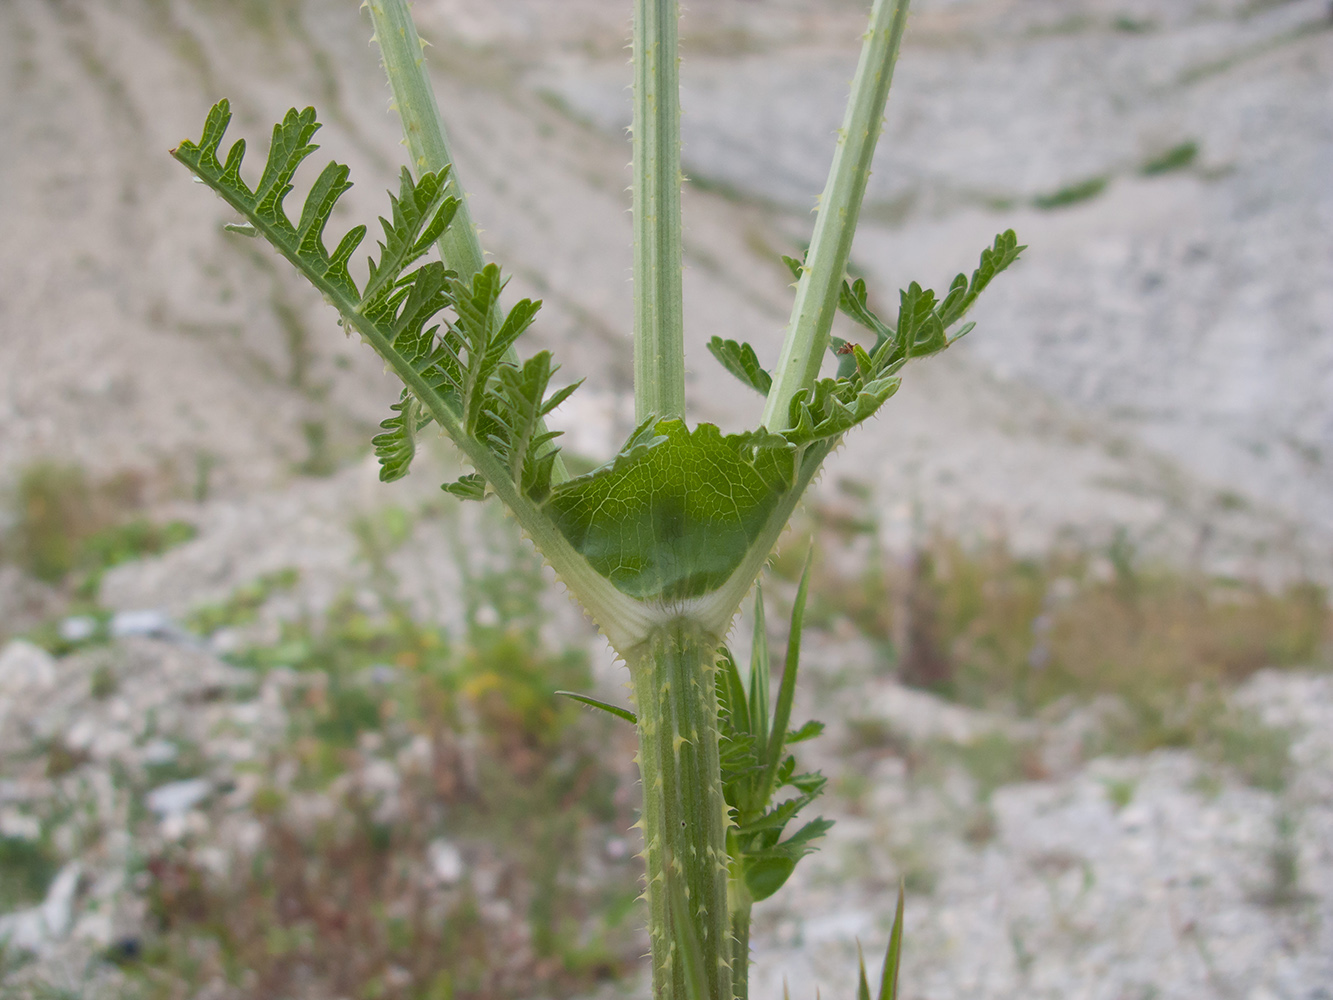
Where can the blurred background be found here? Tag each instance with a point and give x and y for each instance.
(269, 728)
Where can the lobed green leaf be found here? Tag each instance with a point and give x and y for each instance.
(396, 447)
(420, 213)
(469, 487)
(741, 360)
(462, 361)
(923, 323)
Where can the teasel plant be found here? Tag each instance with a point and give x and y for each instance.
(663, 542)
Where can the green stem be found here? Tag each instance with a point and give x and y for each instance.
(659, 338)
(428, 143)
(423, 127)
(684, 812)
(740, 935)
(839, 208)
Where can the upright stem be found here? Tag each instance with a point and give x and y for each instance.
(423, 127)
(741, 904)
(428, 143)
(839, 207)
(684, 810)
(659, 339)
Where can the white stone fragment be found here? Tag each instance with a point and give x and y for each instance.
(178, 797)
(159, 752)
(36, 928)
(78, 628)
(25, 668)
(146, 623)
(446, 862)
(58, 907)
(19, 825)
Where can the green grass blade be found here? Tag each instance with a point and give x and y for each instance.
(862, 987)
(888, 984)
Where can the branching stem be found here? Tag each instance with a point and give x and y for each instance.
(423, 127)
(428, 143)
(839, 208)
(659, 337)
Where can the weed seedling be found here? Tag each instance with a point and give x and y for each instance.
(662, 542)
(1072, 194)
(1178, 157)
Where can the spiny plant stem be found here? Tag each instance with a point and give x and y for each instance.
(683, 806)
(427, 140)
(659, 338)
(839, 208)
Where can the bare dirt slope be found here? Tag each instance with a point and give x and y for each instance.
(1159, 362)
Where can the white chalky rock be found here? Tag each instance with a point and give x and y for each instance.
(445, 861)
(159, 752)
(35, 928)
(19, 826)
(148, 623)
(25, 667)
(78, 628)
(178, 797)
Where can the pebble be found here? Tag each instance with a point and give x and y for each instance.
(159, 752)
(25, 668)
(446, 861)
(178, 797)
(78, 628)
(146, 623)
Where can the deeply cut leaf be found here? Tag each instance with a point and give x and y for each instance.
(490, 404)
(741, 360)
(396, 447)
(923, 322)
